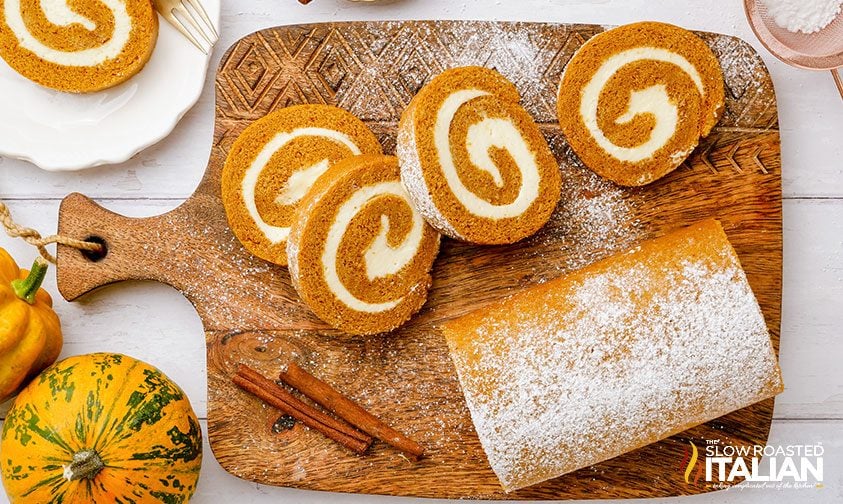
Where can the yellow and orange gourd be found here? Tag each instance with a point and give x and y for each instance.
(101, 428)
(30, 331)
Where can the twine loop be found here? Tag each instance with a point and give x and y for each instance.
(35, 239)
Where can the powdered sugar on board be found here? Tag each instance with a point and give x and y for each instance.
(595, 218)
(399, 58)
(613, 360)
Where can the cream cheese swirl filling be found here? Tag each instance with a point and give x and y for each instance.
(480, 138)
(298, 183)
(60, 13)
(652, 100)
(380, 258)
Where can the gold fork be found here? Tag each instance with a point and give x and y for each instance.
(190, 18)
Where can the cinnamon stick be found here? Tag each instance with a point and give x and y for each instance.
(256, 384)
(330, 399)
(296, 403)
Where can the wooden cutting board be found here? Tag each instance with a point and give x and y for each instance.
(251, 313)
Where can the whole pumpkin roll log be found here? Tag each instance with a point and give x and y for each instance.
(274, 162)
(473, 160)
(101, 428)
(360, 254)
(622, 353)
(635, 100)
(89, 46)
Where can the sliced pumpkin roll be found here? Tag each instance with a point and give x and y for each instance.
(360, 253)
(635, 100)
(474, 162)
(275, 161)
(90, 46)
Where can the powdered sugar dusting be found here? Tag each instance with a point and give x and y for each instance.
(517, 55)
(745, 76)
(595, 218)
(552, 390)
(519, 51)
(412, 177)
(806, 16)
(229, 287)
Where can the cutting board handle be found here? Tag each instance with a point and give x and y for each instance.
(135, 249)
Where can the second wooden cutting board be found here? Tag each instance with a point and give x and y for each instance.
(252, 315)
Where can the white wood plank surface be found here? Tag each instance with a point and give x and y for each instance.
(156, 324)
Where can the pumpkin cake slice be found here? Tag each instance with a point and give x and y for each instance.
(620, 354)
(473, 160)
(635, 100)
(360, 254)
(275, 161)
(79, 47)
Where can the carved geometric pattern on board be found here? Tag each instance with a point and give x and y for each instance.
(330, 66)
(250, 72)
(375, 70)
(293, 40)
(750, 97)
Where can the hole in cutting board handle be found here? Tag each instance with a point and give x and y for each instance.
(96, 255)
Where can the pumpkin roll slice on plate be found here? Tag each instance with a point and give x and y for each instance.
(275, 161)
(473, 160)
(617, 355)
(635, 100)
(90, 46)
(360, 253)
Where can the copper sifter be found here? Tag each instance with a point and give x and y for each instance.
(822, 50)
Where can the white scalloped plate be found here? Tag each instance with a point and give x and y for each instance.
(62, 131)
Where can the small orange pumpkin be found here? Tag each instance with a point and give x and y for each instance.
(30, 331)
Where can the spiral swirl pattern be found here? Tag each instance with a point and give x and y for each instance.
(273, 164)
(360, 254)
(77, 46)
(634, 101)
(474, 161)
